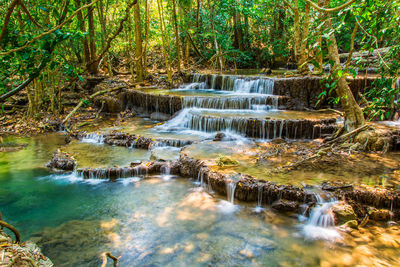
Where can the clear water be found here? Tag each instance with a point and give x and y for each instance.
(156, 221)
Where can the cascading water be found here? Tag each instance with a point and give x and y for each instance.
(321, 223)
(229, 205)
(230, 190)
(250, 97)
(93, 138)
(259, 208)
(166, 171)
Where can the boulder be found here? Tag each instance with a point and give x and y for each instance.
(379, 214)
(61, 161)
(343, 213)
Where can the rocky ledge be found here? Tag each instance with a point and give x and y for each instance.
(375, 203)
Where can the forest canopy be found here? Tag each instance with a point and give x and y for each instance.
(51, 44)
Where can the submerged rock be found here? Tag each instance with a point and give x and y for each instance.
(343, 213)
(61, 161)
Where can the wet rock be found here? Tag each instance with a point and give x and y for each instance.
(219, 136)
(149, 103)
(379, 214)
(61, 161)
(343, 213)
(285, 205)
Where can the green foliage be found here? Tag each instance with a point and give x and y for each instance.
(382, 96)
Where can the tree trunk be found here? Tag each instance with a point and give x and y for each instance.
(237, 31)
(164, 43)
(138, 38)
(146, 38)
(82, 28)
(92, 68)
(354, 117)
(303, 53)
(177, 40)
(217, 50)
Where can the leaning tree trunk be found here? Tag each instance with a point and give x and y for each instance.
(354, 117)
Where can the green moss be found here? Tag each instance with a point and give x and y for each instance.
(226, 161)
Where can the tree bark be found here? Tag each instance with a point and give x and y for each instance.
(92, 68)
(177, 40)
(164, 43)
(138, 38)
(82, 28)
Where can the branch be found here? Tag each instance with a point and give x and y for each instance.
(91, 97)
(353, 36)
(7, 18)
(22, 5)
(289, 5)
(108, 254)
(376, 43)
(4, 53)
(120, 28)
(329, 10)
(34, 75)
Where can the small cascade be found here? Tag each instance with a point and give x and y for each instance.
(233, 83)
(247, 85)
(261, 102)
(171, 142)
(230, 190)
(93, 138)
(260, 188)
(321, 222)
(112, 173)
(166, 171)
(228, 206)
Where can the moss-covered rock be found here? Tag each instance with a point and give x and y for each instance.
(226, 161)
(343, 213)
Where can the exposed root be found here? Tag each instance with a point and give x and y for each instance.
(13, 229)
(106, 255)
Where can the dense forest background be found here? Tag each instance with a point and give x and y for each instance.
(45, 46)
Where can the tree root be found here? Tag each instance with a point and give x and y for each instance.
(109, 255)
(346, 136)
(13, 229)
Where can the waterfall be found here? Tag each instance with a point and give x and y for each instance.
(93, 138)
(166, 171)
(247, 85)
(232, 83)
(260, 191)
(230, 190)
(321, 222)
(259, 102)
